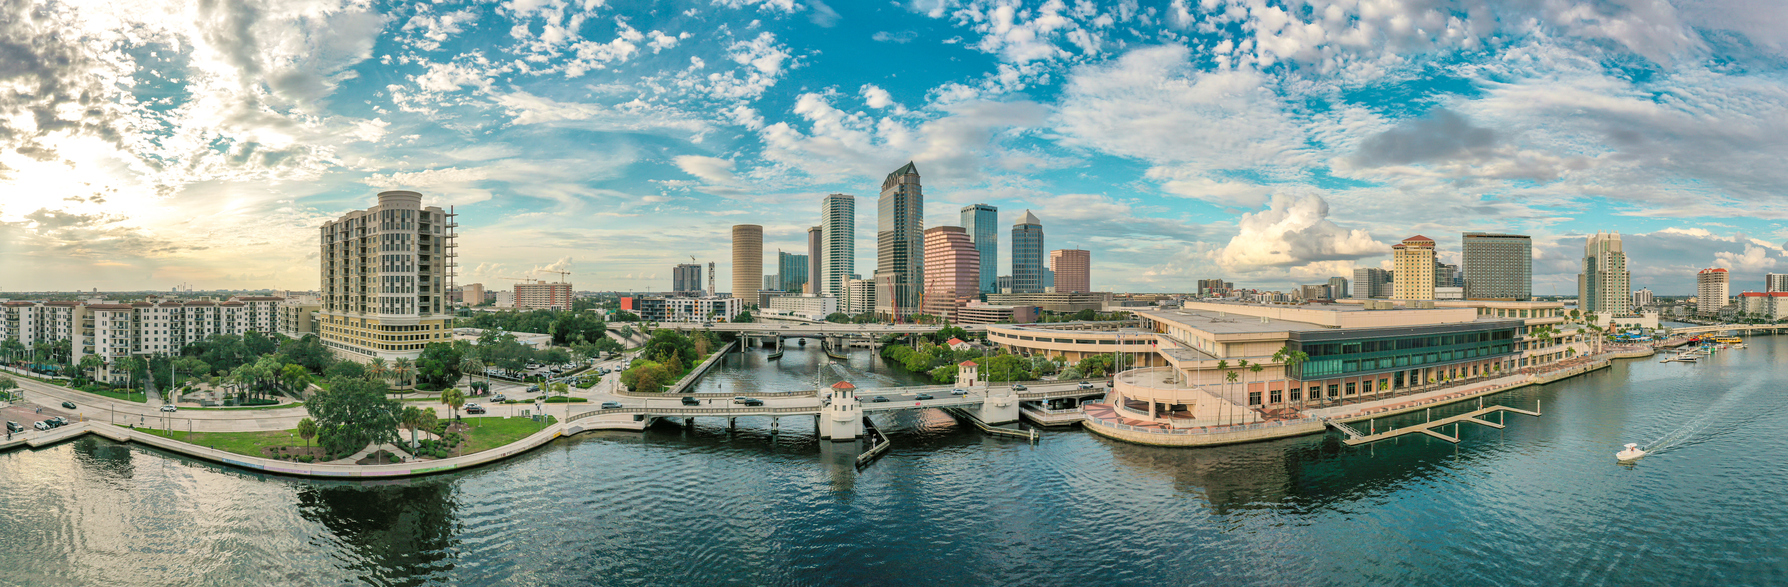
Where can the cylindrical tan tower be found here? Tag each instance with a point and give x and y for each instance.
(748, 262)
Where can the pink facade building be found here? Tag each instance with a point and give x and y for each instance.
(952, 271)
(1073, 270)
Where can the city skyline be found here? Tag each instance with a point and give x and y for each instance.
(1176, 141)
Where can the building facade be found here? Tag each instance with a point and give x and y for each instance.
(952, 271)
(979, 313)
(859, 296)
(1027, 254)
(541, 295)
(1338, 288)
(385, 272)
(1775, 282)
(791, 272)
(1772, 305)
(153, 326)
(1604, 285)
(838, 241)
(1073, 269)
(686, 278)
(815, 255)
(1414, 277)
(1497, 266)
(472, 295)
(899, 242)
(748, 260)
(806, 306)
(982, 223)
(1641, 298)
(1713, 290)
(1371, 282)
(1054, 302)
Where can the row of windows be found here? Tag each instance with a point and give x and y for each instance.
(1404, 343)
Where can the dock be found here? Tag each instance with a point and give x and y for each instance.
(1430, 428)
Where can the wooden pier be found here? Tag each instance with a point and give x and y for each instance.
(1430, 428)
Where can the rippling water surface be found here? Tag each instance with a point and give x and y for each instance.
(1540, 503)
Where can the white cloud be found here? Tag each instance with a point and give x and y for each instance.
(710, 169)
(1293, 231)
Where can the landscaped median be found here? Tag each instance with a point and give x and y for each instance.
(478, 434)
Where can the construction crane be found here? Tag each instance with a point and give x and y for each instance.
(562, 274)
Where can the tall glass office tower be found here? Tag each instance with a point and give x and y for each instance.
(838, 241)
(1027, 254)
(899, 234)
(982, 223)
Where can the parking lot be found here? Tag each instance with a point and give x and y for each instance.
(26, 413)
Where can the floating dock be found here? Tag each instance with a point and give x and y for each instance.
(1356, 438)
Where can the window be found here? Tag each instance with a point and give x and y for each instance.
(1274, 397)
(1334, 391)
(1297, 393)
(1253, 398)
(1350, 390)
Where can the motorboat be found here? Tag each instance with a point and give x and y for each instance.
(1629, 454)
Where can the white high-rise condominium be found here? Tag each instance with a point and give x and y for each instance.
(838, 243)
(385, 271)
(1775, 282)
(1604, 287)
(1713, 290)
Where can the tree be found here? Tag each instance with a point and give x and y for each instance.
(744, 317)
(353, 413)
(307, 351)
(559, 387)
(294, 378)
(87, 365)
(6, 387)
(401, 371)
(345, 369)
(307, 429)
(411, 420)
(428, 421)
(838, 318)
(945, 374)
(1255, 369)
(454, 398)
(1230, 377)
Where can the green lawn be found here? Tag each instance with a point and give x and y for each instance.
(117, 395)
(242, 443)
(489, 433)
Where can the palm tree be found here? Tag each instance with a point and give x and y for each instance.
(1256, 369)
(376, 369)
(1230, 376)
(454, 398)
(307, 429)
(1223, 365)
(411, 419)
(470, 365)
(401, 370)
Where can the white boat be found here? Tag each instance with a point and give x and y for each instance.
(1629, 454)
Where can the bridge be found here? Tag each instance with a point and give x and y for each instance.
(1727, 328)
(812, 330)
(838, 415)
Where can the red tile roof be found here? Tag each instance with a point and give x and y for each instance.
(843, 385)
(955, 341)
(967, 364)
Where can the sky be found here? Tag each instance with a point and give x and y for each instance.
(163, 143)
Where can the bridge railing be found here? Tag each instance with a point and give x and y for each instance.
(732, 411)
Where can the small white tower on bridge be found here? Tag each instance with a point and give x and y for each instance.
(968, 375)
(841, 418)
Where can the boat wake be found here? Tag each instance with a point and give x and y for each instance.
(1709, 424)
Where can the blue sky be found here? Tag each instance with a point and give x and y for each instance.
(155, 143)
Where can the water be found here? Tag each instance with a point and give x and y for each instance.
(753, 371)
(1540, 503)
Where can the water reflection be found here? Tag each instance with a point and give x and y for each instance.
(393, 534)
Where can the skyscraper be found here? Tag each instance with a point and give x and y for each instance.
(748, 261)
(1498, 266)
(1337, 288)
(1073, 270)
(1371, 282)
(982, 223)
(838, 242)
(1775, 282)
(952, 271)
(1027, 254)
(816, 254)
(1414, 279)
(1641, 297)
(791, 271)
(1713, 290)
(686, 277)
(899, 250)
(1604, 286)
(385, 270)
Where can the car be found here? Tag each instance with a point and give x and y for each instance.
(610, 405)
(68, 405)
(922, 396)
(959, 391)
(1086, 385)
(740, 399)
(532, 388)
(1108, 384)
(498, 398)
(1019, 387)
(41, 425)
(690, 401)
(474, 409)
(58, 421)
(14, 427)
(753, 402)
(169, 408)
(878, 399)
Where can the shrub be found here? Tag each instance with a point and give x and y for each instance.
(562, 400)
(257, 402)
(440, 454)
(307, 458)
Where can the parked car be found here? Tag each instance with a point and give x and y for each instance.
(58, 421)
(922, 396)
(878, 399)
(1086, 385)
(1019, 387)
(498, 398)
(474, 409)
(959, 391)
(533, 388)
(610, 405)
(169, 408)
(753, 402)
(41, 425)
(68, 405)
(690, 401)
(14, 427)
